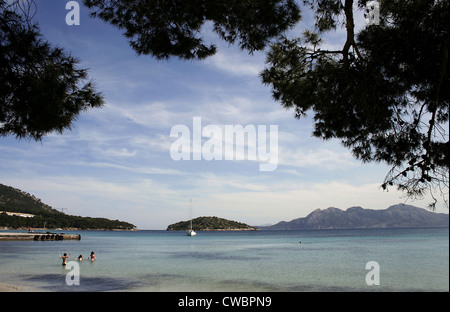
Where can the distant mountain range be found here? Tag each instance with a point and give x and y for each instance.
(397, 216)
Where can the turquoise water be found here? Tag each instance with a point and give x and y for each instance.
(318, 260)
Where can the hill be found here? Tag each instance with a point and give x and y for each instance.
(210, 224)
(13, 200)
(397, 216)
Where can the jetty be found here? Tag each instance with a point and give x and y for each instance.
(39, 236)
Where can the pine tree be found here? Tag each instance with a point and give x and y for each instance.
(384, 94)
(41, 88)
(165, 28)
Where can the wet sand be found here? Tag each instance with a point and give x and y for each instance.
(10, 288)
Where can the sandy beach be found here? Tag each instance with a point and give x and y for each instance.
(10, 288)
(5, 287)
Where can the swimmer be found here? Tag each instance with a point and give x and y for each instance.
(92, 256)
(80, 258)
(65, 257)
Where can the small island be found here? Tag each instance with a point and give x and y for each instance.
(211, 224)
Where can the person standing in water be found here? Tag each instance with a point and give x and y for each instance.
(64, 257)
(92, 256)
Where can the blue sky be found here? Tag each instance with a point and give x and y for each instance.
(116, 161)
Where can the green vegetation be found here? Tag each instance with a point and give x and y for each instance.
(14, 200)
(42, 88)
(210, 224)
(380, 91)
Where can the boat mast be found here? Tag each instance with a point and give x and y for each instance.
(190, 212)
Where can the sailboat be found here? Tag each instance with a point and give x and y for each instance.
(190, 231)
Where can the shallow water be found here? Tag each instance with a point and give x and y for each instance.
(318, 260)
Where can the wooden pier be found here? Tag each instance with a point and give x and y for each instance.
(39, 236)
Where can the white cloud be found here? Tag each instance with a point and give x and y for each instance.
(151, 115)
(237, 62)
(160, 142)
(320, 158)
(133, 169)
(123, 152)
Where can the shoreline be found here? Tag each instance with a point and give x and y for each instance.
(63, 229)
(217, 230)
(38, 236)
(9, 287)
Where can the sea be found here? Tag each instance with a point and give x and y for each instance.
(369, 260)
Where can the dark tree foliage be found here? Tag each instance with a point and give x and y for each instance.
(164, 28)
(63, 221)
(385, 94)
(41, 88)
